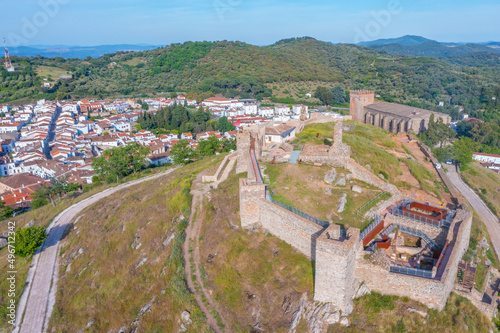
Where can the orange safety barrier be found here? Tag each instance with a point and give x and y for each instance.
(373, 233)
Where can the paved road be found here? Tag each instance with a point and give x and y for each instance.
(38, 297)
(489, 219)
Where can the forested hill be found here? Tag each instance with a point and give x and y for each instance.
(237, 68)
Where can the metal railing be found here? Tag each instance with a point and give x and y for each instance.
(372, 226)
(412, 271)
(416, 217)
(418, 233)
(369, 203)
(300, 213)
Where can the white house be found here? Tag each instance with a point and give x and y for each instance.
(279, 133)
(298, 108)
(122, 126)
(251, 109)
(11, 127)
(281, 109)
(266, 112)
(487, 158)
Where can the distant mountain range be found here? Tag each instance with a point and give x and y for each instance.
(79, 52)
(423, 47)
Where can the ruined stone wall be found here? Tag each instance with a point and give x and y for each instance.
(293, 229)
(335, 267)
(361, 173)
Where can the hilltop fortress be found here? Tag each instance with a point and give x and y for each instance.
(350, 263)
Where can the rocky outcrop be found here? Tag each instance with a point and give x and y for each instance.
(330, 176)
(357, 189)
(342, 203)
(318, 315)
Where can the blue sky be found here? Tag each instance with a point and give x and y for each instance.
(261, 22)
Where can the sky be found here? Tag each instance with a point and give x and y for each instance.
(259, 22)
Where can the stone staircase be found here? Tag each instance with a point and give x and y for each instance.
(287, 147)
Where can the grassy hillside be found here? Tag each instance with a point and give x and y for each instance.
(237, 68)
(486, 183)
(381, 313)
(253, 275)
(121, 264)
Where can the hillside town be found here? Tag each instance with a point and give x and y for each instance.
(51, 140)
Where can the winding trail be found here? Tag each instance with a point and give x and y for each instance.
(38, 298)
(196, 285)
(489, 219)
(192, 249)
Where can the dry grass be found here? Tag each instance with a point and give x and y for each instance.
(302, 186)
(249, 264)
(106, 284)
(50, 72)
(381, 313)
(486, 183)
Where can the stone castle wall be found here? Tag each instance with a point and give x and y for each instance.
(293, 229)
(340, 261)
(431, 292)
(335, 267)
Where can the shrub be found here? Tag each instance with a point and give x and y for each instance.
(28, 240)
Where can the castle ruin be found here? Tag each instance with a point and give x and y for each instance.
(346, 261)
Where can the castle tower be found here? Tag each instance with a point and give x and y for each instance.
(250, 195)
(360, 99)
(335, 267)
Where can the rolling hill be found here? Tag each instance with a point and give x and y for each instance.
(245, 70)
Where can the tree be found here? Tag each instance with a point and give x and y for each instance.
(338, 95)
(40, 197)
(5, 211)
(224, 125)
(437, 132)
(182, 152)
(121, 161)
(28, 240)
(463, 149)
(209, 146)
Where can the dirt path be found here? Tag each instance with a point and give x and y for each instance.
(489, 219)
(198, 191)
(38, 298)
